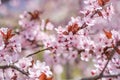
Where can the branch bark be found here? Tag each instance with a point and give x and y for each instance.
(102, 76)
(38, 52)
(13, 67)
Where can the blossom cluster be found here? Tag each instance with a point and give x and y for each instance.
(75, 40)
(62, 44)
(14, 62)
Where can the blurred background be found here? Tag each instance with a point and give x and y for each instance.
(58, 12)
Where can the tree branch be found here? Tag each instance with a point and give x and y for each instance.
(13, 67)
(102, 76)
(111, 55)
(18, 69)
(114, 75)
(38, 52)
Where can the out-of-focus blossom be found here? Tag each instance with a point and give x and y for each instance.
(38, 69)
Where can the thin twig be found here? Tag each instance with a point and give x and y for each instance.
(34, 53)
(3, 74)
(111, 55)
(101, 75)
(38, 52)
(114, 75)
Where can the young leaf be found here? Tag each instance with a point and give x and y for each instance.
(108, 34)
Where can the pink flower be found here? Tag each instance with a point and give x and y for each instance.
(2, 45)
(22, 63)
(85, 56)
(38, 69)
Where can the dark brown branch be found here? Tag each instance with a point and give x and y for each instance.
(34, 53)
(114, 75)
(18, 69)
(102, 76)
(38, 52)
(105, 67)
(13, 67)
(111, 55)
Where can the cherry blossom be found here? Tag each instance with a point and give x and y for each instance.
(63, 45)
(38, 69)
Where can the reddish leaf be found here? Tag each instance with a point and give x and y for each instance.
(2, 34)
(108, 34)
(43, 77)
(46, 21)
(35, 15)
(73, 28)
(101, 2)
(106, 1)
(51, 78)
(32, 63)
(99, 13)
(65, 33)
(69, 28)
(14, 77)
(7, 36)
